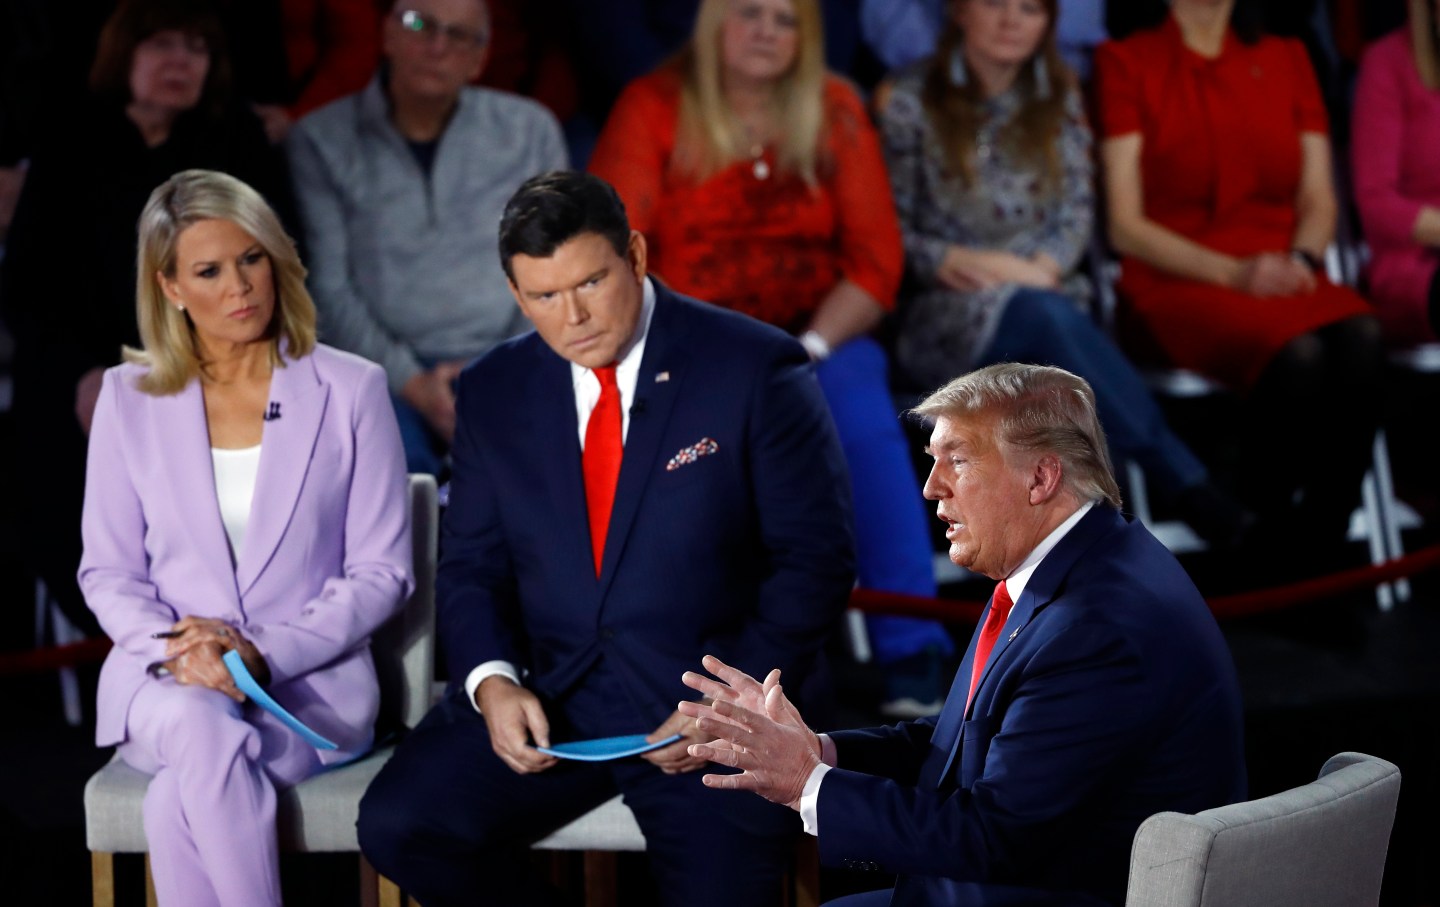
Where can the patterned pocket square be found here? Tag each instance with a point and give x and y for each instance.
(687, 455)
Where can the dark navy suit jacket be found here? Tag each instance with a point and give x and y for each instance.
(1111, 696)
(745, 553)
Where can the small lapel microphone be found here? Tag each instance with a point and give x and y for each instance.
(272, 413)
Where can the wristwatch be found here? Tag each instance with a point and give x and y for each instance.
(1309, 260)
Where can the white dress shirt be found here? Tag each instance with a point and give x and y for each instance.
(587, 394)
(1014, 584)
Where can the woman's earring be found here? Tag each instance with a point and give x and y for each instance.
(179, 307)
(958, 76)
(1042, 78)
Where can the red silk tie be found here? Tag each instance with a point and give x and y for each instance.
(601, 460)
(1000, 605)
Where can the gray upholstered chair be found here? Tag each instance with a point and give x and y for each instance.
(1320, 845)
(318, 815)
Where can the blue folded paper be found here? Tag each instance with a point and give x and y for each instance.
(247, 684)
(605, 748)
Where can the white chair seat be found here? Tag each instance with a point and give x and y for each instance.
(609, 826)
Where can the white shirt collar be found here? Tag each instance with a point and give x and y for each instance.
(1020, 576)
(627, 370)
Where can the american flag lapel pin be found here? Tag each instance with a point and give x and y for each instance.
(662, 377)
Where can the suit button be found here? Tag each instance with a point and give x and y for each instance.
(607, 633)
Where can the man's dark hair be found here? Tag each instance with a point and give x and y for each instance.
(553, 208)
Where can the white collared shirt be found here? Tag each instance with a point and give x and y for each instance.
(587, 394)
(1014, 584)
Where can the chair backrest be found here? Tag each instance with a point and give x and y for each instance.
(1320, 845)
(404, 648)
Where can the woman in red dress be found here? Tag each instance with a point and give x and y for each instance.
(1220, 200)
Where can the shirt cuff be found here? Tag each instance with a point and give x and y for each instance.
(810, 796)
(488, 669)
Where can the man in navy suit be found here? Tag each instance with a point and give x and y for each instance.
(642, 479)
(1104, 694)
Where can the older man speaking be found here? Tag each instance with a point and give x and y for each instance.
(1097, 691)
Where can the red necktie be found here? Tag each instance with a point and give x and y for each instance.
(601, 460)
(1000, 605)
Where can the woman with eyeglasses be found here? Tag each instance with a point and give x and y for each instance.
(758, 182)
(160, 101)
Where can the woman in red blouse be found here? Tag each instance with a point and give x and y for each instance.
(758, 182)
(1220, 199)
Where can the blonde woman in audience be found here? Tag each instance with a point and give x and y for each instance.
(990, 161)
(1395, 154)
(758, 182)
(1221, 204)
(245, 492)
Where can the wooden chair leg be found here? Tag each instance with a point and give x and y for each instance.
(601, 876)
(102, 879)
(389, 893)
(150, 899)
(807, 872)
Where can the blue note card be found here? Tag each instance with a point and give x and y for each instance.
(605, 748)
(246, 682)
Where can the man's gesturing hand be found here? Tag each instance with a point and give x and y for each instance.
(769, 743)
(514, 716)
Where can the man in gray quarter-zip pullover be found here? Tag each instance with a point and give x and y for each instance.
(400, 189)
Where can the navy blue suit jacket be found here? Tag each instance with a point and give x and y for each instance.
(745, 553)
(1111, 697)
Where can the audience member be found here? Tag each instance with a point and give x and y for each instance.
(902, 32)
(1395, 151)
(758, 182)
(1098, 692)
(529, 54)
(642, 479)
(617, 41)
(160, 104)
(1221, 204)
(990, 160)
(400, 189)
(245, 493)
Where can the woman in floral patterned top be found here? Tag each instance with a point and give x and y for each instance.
(989, 159)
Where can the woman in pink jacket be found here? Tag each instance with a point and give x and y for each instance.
(1395, 145)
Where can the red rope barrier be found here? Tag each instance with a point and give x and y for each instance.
(1241, 604)
(53, 658)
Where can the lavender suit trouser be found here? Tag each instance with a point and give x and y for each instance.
(210, 808)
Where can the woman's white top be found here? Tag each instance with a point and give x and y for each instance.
(235, 472)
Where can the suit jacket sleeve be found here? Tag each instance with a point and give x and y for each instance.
(802, 499)
(478, 605)
(114, 570)
(378, 575)
(1078, 707)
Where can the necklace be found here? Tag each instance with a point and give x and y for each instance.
(759, 166)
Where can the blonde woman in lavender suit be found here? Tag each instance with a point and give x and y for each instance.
(245, 491)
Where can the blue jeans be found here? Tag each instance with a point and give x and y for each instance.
(1046, 328)
(892, 547)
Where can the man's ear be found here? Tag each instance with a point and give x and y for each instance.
(636, 254)
(1047, 478)
(519, 300)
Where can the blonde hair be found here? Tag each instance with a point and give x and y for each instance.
(1037, 408)
(1425, 43)
(167, 336)
(709, 137)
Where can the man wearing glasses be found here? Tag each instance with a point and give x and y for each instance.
(400, 188)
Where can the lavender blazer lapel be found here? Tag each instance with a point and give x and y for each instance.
(285, 459)
(192, 480)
